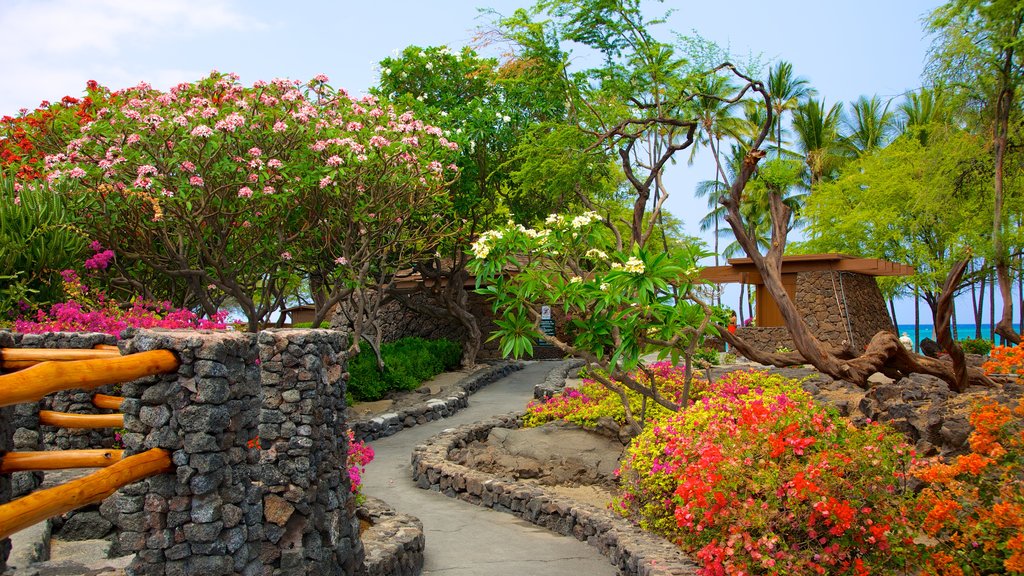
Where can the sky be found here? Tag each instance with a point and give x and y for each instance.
(50, 48)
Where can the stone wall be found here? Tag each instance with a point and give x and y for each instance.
(235, 503)
(6, 445)
(399, 321)
(841, 308)
(310, 525)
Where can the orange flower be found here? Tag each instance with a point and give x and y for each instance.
(945, 565)
(942, 511)
(1008, 515)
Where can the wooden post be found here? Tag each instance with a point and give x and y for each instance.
(107, 402)
(43, 504)
(67, 420)
(33, 383)
(58, 354)
(58, 460)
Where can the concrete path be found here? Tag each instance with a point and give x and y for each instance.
(467, 540)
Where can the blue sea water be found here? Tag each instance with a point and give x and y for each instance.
(962, 331)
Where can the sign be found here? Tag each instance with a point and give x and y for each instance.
(547, 325)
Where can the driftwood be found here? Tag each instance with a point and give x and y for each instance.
(96, 487)
(58, 460)
(34, 383)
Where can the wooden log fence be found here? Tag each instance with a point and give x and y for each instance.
(44, 371)
(32, 384)
(58, 460)
(95, 487)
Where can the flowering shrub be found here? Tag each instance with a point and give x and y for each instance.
(236, 190)
(86, 311)
(359, 455)
(1005, 360)
(755, 478)
(974, 505)
(591, 401)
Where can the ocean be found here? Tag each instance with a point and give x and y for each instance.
(963, 331)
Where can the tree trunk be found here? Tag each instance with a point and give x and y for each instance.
(917, 321)
(1004, 104)
(892, 312)
(978, 303)
(992, 307)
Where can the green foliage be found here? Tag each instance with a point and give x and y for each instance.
(976, 346)
(38, 240)
(407, 364)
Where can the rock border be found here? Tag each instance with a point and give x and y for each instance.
(367, 429)
(554, 382)
(393, 544)
(631, 550)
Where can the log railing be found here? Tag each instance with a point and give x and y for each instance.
(95, 487)
(58, 460)
(32, 384)
(21, 358)
(44, 371)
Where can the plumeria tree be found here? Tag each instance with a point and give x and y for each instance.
(236, 190)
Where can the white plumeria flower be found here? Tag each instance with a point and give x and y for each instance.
(575, 280)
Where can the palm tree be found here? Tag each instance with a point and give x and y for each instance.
(787, 91)
(817, 138)
(920, 110)
(716, 121)
(869, 125)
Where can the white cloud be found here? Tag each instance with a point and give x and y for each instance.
(51, 47)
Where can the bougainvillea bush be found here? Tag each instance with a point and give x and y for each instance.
(755, 478)
(973, 505)
(89, 310)
(586, 404)
(359, 455)
(1005, 360)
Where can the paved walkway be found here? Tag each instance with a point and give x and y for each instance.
(467, 540)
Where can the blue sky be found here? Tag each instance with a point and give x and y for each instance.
(50, 48)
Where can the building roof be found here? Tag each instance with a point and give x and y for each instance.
(743, 270)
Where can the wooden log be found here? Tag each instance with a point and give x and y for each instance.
(55, 354)
(107, 402)
(43, 504)
(58, 460)
(14, 365)
(67, 420)
(104, 347)
(33, 383)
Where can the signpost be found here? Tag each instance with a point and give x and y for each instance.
(547, 325)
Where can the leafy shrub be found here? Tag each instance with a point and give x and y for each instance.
(705, 357)
(974, 505)
(591, 401)
(38, 239)
(755, 478)
(976, 346)
(407, 363)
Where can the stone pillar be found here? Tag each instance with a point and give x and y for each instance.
(310, 526)
(206, 518)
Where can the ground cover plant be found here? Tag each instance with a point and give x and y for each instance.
(407, 364)
(586, 404)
